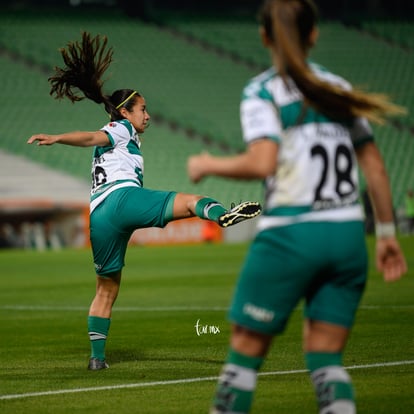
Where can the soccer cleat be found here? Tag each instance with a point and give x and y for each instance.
(239, 213)
(96, 364)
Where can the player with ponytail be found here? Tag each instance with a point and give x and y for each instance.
(119, 203)
(305, 130)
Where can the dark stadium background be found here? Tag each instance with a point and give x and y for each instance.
(190, 59)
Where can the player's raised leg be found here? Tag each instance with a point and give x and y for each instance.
(207, 208)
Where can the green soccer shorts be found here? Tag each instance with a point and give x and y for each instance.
(114, 220)
(323, 263)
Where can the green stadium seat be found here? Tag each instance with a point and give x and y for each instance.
(187, 85)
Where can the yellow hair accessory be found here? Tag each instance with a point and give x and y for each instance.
(127, 99)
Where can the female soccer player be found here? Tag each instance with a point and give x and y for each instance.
(119, 203)
(305, 129)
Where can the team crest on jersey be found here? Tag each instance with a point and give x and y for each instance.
(112, 124)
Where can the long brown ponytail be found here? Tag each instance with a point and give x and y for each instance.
(288, 25)
(86, 61)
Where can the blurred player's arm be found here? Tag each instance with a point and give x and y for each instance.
(257, 162)
(372, 166)
(389, 257)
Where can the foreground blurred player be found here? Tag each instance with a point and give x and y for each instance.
(119, 203)
(305, 130)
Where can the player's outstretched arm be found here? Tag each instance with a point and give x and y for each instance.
(76, 138)
(257, 162)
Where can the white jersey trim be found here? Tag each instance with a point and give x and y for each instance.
(98, 200)
(351, 213)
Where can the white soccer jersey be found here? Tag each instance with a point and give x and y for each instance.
(117, 165)
(317, 174)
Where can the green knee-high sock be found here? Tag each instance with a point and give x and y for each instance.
(237, 383)
(209, 209)
(98, 329)
(332, 383)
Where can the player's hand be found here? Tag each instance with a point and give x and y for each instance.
(42, 139)
(196, 166)
(390, 259)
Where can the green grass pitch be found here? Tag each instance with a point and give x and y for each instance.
(158, 362)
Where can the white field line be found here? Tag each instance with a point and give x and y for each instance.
(163, 308)
(182, 381)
